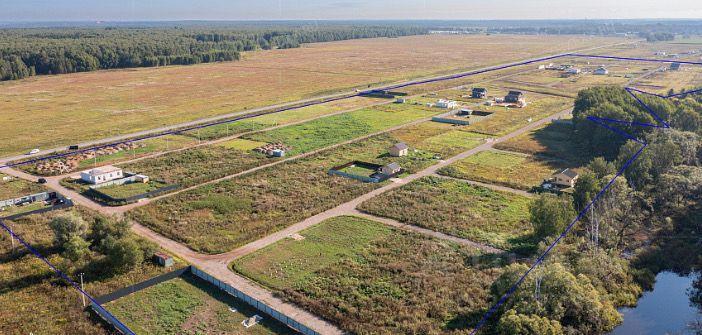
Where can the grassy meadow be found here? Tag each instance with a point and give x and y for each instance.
(459, 209)
(144, 98)
(368, 278)
(504, 168)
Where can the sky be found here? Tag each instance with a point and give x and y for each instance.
(167, 10)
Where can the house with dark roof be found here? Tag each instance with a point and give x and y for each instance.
(675, 67)
(399, 150)
(566, 178)
(515, 97)
(479, 93)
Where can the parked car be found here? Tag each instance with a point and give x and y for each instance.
(73, 147)
(41, 180)
(33, 152)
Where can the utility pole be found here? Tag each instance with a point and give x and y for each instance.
(82, 287)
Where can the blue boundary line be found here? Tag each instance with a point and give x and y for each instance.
(493, 309)
(604, 122)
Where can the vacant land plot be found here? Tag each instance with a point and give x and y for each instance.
(188, 305)
(15, 188)
(140, 99)
(196, 165)
(370, 279)
(221, 216)
(457, 208)
(34, 301)
(323, 132)
(550, 140)
(505, 120)
(504, 168)
(130, 189)
(440, 138)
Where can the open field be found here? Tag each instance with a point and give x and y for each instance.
(35, 301)
(326, 131)
(188, 305)
(457, 208)
(551, 140)
(373, 279)
(504, 168)
(219, 217)
(16, 188)
(44, 111)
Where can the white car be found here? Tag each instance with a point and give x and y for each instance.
(33, 152)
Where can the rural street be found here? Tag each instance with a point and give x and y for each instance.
(218, 265)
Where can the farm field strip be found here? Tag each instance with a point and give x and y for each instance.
(159, 121)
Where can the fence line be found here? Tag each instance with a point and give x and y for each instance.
(258, 305)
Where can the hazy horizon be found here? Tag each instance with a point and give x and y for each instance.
(268, 10)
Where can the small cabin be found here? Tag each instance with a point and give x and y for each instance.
(163, 259)
(390, 169)
(399, 150)
(566, 178)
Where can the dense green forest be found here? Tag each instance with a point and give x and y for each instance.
(29, 52)
(649, 220)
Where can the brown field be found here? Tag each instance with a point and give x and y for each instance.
(57, 110)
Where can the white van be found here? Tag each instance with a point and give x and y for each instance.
(33, 152)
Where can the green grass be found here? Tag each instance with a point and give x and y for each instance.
(358, 170)
(188, 305)
(23, 209)
(292, 262)
(499, 219)
(16, 188)
(34, 300)
(551, 140)
(368, 278)
(506, 120)
(326, 131)
(242, 144)
(131, 189)
(504, 168)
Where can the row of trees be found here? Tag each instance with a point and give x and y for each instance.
(577, 290)
(29, 52)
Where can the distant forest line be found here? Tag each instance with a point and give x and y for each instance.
(30, 52)
(60, 48)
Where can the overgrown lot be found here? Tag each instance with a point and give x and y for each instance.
(368, 278)
(457, 208)
(504, 168)
(188, 305)
(551, 140)
(219, 217)
(34, 300)
(16, 188)
(197, 165)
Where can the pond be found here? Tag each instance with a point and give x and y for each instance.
(665, 310)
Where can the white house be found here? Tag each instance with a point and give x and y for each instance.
(101, 175)
(442, 103)
(601, 71)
